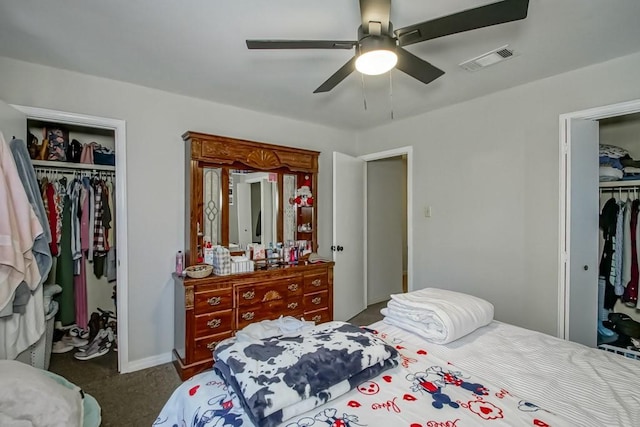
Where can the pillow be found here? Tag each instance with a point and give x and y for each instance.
(28, 397)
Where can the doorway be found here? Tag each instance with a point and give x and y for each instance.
(118, 128)
(386, 228)
(578, 245)
(350, 225)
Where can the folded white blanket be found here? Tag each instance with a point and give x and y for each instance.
(438, 315)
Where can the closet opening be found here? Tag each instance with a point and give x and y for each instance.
(599, 188)
(80, 165)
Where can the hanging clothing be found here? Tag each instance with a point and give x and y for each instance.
(19, 229)
(80, 296)
(626, 245)
(608, 220)
(64, 269)
(630, 295)
(41, 250)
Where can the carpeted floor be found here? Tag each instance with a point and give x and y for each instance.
(135, 399)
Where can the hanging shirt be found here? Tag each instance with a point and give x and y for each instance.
(618, 255)
(73, 190)
(84, 215)
(626, 244)
(630, 295)
(608, 219)
(52, 214)
(98, 230)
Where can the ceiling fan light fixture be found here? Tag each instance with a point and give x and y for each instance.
(377, 55)
(376, 62)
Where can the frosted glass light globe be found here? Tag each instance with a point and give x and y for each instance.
(376, 62)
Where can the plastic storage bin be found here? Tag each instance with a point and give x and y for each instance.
(38, 354)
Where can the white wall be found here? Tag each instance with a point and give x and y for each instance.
(489, 169)
(155, 161)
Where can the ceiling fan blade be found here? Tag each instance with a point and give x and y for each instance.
(416, 67)
(301, 44)
(471, 19)
(338, 76)
(375, 11)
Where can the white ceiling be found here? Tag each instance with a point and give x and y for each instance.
(197, 48)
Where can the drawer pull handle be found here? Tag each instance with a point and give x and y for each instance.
(293, 287)
(248, 315)
(316, 318)
(249, 295)
(292, 305)
(212, 345)
(316, 282)
(214, 300)
(316, 300)
(214, 323)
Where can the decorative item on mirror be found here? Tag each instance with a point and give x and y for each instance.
(305, 228)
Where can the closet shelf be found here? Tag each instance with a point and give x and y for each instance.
(69, 165)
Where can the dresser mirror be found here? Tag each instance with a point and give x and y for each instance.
(253, 207)
(241, 192)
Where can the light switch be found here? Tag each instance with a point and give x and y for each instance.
(427, 211)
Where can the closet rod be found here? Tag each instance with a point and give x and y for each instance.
(615, 189)
(70, 165)
(87, 172)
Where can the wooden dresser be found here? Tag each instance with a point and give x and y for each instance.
(211, 309)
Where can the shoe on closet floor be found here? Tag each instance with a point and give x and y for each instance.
(61, 347)
(74, 341)
(98, 347)
(80, 333)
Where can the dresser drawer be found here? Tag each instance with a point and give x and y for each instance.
(211, 323)
(204, 346)
(316, 301)
(255, 293)
(292, 305)
(267, 311)
(319, 316)
(315, 282)
(219, 299)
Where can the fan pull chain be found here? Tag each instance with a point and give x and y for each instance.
(391, 94)
(364, 94)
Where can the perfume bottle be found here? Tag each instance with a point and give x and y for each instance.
(179, 263)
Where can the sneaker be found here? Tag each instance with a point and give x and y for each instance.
(61, 347)
(80, 333)
(75, 341)
(98, 347)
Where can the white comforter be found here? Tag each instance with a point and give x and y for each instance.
(438, 315)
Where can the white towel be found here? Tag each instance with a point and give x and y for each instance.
(438, 315)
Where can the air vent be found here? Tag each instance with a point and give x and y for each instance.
(497, 55)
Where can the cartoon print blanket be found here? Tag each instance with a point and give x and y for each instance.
(279, 377)
(422, 391)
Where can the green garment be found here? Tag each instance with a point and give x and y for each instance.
(64, 270)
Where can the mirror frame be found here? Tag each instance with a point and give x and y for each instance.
(215, 151)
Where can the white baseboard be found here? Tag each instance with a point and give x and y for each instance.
(145, 363)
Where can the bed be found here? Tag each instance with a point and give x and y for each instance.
(498, 374)
(35, 397)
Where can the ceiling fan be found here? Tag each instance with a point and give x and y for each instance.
(379, 47)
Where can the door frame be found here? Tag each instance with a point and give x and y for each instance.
(401, 151)
(564, 260)
(119, 128)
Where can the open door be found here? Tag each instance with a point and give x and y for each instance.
(582, 313)
(243, 200)
(348, 236)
